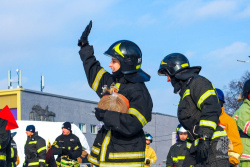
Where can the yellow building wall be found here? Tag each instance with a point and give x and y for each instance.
(12, 98)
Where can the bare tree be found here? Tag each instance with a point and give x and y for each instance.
(232, 92)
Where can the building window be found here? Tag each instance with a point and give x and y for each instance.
(93, 129)
(82, 127)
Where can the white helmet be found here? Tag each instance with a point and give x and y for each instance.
(181, 129)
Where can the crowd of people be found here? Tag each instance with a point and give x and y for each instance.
(206, 136)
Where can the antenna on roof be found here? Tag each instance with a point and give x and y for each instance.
(42, 83)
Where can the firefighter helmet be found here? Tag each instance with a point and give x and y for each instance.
(172, 64)
(220, 95)
(149, 137)
(246, 89)
(130, 58)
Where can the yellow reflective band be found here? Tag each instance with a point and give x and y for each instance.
(56, 146)
(2, 157)
(95, 150)
(105, 145)
(219, 134)
(69, 148)
(234, 154)
(97, 79)
(42, 160)
(0, 146)
(186, 93)
(208, 123)
(184, 65)
(12, 164)
(122, 164)
(117, 49)
(196, 142)
(41, 149)
(127, 155)
(32, 142)
(33, 164)
(189, 145)
(162, 62)
(54, 142)
(138, 66)
(58, 163)
(204, 97)
(178, 158)
(93, 160)
(12, 153)
(138, 115)
(76, 147)
(117, 85)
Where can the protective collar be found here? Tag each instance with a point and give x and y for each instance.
(139, 76)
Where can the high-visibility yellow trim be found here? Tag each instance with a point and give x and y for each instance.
(33, 163)
(196, 142)
(208, 123)
(178, 158)
(12, 153)
(138, 115)
(0, 146)
(184, 65)
(41, 149)
(186, 93)
(104, 146)
(32, 142)
(219, 134)
(162, 62)
(127, 155)
(121, 164)
(117, 49)
(42, 160)
(76, 147)
(204, 97)
(138, 66)
(56, 146)
(69, 148)
(189, 145)
(95, 150)
(98, 78)
(2, 157)
(94, 160)
(234, 154)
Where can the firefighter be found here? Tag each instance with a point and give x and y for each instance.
(12, 160)
(121, 140)
(150, 153)
(177, 152)
(34, 149)
(198, 110)
(4, 142)
(242, 118)
(229, 125)
(67, 146)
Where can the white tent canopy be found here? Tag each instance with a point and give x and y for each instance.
(47, 130)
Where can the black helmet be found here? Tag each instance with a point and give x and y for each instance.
(246, 89)
(149, 137)
(130, 57)
(173, 63)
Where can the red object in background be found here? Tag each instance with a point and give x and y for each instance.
(6, 114)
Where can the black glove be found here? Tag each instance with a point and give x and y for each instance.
(99, 114)
(83, 41)
(203, 148)
(147, 161)
(232, 165)
(67, 152)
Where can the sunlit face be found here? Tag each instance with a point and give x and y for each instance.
(183, 135)
(168, 78)
(148, 142)
(114, 64)
(29, 133)
(65, 131)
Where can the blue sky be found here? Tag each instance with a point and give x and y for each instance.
(40, 38)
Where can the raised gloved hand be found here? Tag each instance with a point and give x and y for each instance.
(147, 161)
(203, 148)
(99, 114)
(83, 41)
(232, 165)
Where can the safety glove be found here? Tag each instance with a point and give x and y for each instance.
(203, 148)
(99, 114)
(147, 161)
(83, 41)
